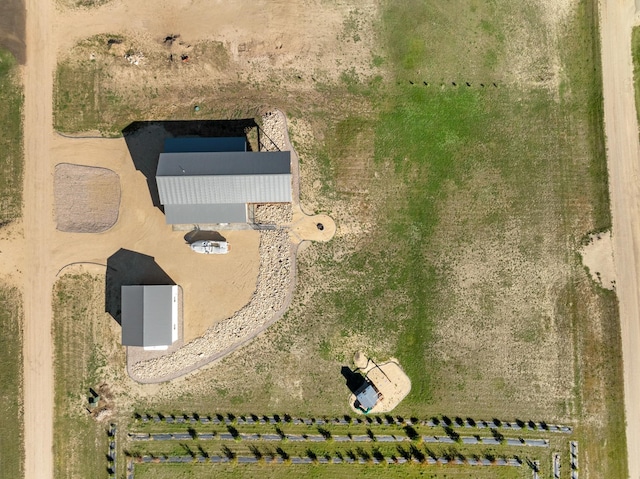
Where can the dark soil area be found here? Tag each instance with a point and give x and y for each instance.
(12, 28)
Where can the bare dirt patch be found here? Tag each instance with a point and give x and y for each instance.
(87, 198)
(597, 256)
(188, 54)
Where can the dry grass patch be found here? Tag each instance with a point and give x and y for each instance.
(87, 355)
(11, 411)
(11, 160)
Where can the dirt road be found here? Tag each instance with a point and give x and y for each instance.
(623, 150)
(38, 223)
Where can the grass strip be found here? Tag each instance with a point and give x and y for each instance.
(11, 425)
(11, 152)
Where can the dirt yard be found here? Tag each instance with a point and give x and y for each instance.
(183, 53)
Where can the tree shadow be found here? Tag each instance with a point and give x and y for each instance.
(129, 268)
(354, 379)
(145, 141)
(200, 235)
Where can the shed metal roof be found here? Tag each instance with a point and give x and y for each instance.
(210, 187)
(367, 397)
(146, 315)
(206, 214)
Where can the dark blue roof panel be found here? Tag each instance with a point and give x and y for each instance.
(202, 145)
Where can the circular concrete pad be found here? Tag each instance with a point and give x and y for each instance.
(313, 228)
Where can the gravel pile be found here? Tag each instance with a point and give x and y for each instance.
(273, 126)
(273, 285)
(87, 199)
(273, 214)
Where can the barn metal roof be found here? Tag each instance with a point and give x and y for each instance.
(198, 178)
(199, 190)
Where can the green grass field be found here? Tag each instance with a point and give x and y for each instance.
(635, 51)
(268, 471)
(10, 139)
(11, 426)
(80, 441)
(461, 209)
(86, 106)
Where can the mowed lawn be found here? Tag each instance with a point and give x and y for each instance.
(463, 179)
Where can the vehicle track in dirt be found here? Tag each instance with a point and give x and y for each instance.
(38, 223)
(623, 156)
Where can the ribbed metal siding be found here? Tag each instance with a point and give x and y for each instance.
(206, 214)
(181, 190)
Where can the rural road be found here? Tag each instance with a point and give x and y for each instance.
(38, 223)
(623, 154)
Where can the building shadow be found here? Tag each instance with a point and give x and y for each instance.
(354, 379)
(201, 235)
(145, 141)
(128, 268)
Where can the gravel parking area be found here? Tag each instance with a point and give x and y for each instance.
(87, 199)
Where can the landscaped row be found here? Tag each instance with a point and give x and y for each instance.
(347, 420)
(234, 435)
(573, 453)
(113, 452)
(457, 461)
(298, 460)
